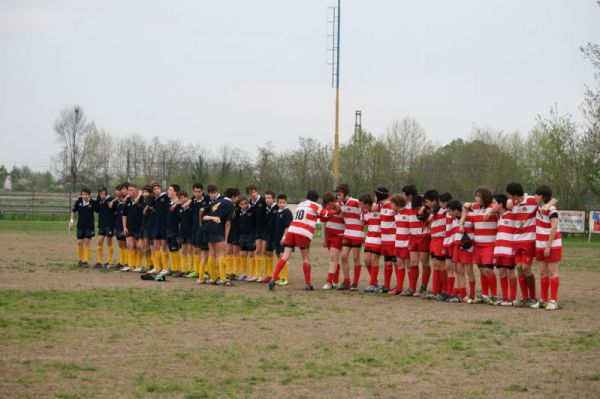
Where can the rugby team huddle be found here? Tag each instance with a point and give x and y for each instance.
(218, 239)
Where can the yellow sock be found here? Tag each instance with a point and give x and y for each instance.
(196, 261)
(236, 266)
(80, 252)
(99, 253)
(123, 256)
(165, 259)
(88, 254)
(111, 251)
(270, 265)
(183, 263)
(131, 258)
(229, 264)
(259, 266)
(252, 267)
(201, 267)
(139, 257)
(284, 272)
(158, 260)
(212, 268)
(222, 268)
(190, 263)
(176, 261)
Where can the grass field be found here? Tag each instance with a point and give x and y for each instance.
(69, 333)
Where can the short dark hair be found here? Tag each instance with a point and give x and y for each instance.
(85, 190)
(102, 190)
(270, 192)
(312, 195)
(431, 195)
(119, 187)
(445, 197)
(125, 184)
(545, 192)
(382, 193)
(251, 187)
(485, 194)
(175, 187)
(417, 201)
(366, 199)
(147, 187)
(231, 192)
(282, 196)
(455, 205)
(515, 188)
(183, 193)
(198, 185)
(133, 185)
(212, 188)
(410, 189)
(501, 199)
(344, 188)
(241, 199)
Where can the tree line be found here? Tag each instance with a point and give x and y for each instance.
(556, 151)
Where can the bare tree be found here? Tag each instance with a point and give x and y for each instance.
(72, 131)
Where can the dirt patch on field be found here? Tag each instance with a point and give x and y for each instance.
(107, 334)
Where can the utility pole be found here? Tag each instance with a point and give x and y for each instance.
(357, 121)
(335, 82)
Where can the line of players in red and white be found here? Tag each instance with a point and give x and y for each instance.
(437, 238)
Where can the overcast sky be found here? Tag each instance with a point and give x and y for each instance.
(243, 72)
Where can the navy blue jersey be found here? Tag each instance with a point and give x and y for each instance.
(221, 208)
(196, 205)
(185, 221)
(150, 213)
(161, 207)
(85, 213)
(261, 208)
(234, 231)
(106, 214)
(120, 211)
(247, 221)
(172, 223)
(269, 223)
(135, 214)
(282, 221)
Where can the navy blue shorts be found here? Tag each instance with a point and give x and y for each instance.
(106, 231)
(247, 243)
(84, 233)
(159, 233)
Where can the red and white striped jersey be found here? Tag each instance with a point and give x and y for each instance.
(484, 229)
(505, 235)
(524, 216)
(543, 227)
(373, 222)
(449, 234)
(438, 224)
(417, 228)
(352, 219)
(305, 219)
(388, 224)
(334, 222)
(403, 227)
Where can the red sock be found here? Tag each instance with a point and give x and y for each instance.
(554, 283)
(462, 292)
(306, 270)
(523, 286)
(413, 276)
(368, 269)
(531, 286)
(512, 283)
(336, 278)
(545, 285)
(330, 277)
(387, 275)
(471, 288)
(278, 268)
(426, 274)
(484, 284)
(444, 281)
(374, 274)
(504, 287)
(435, 283)
(400, 273)
(451, 289)
(356, 274)
(492, 284)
